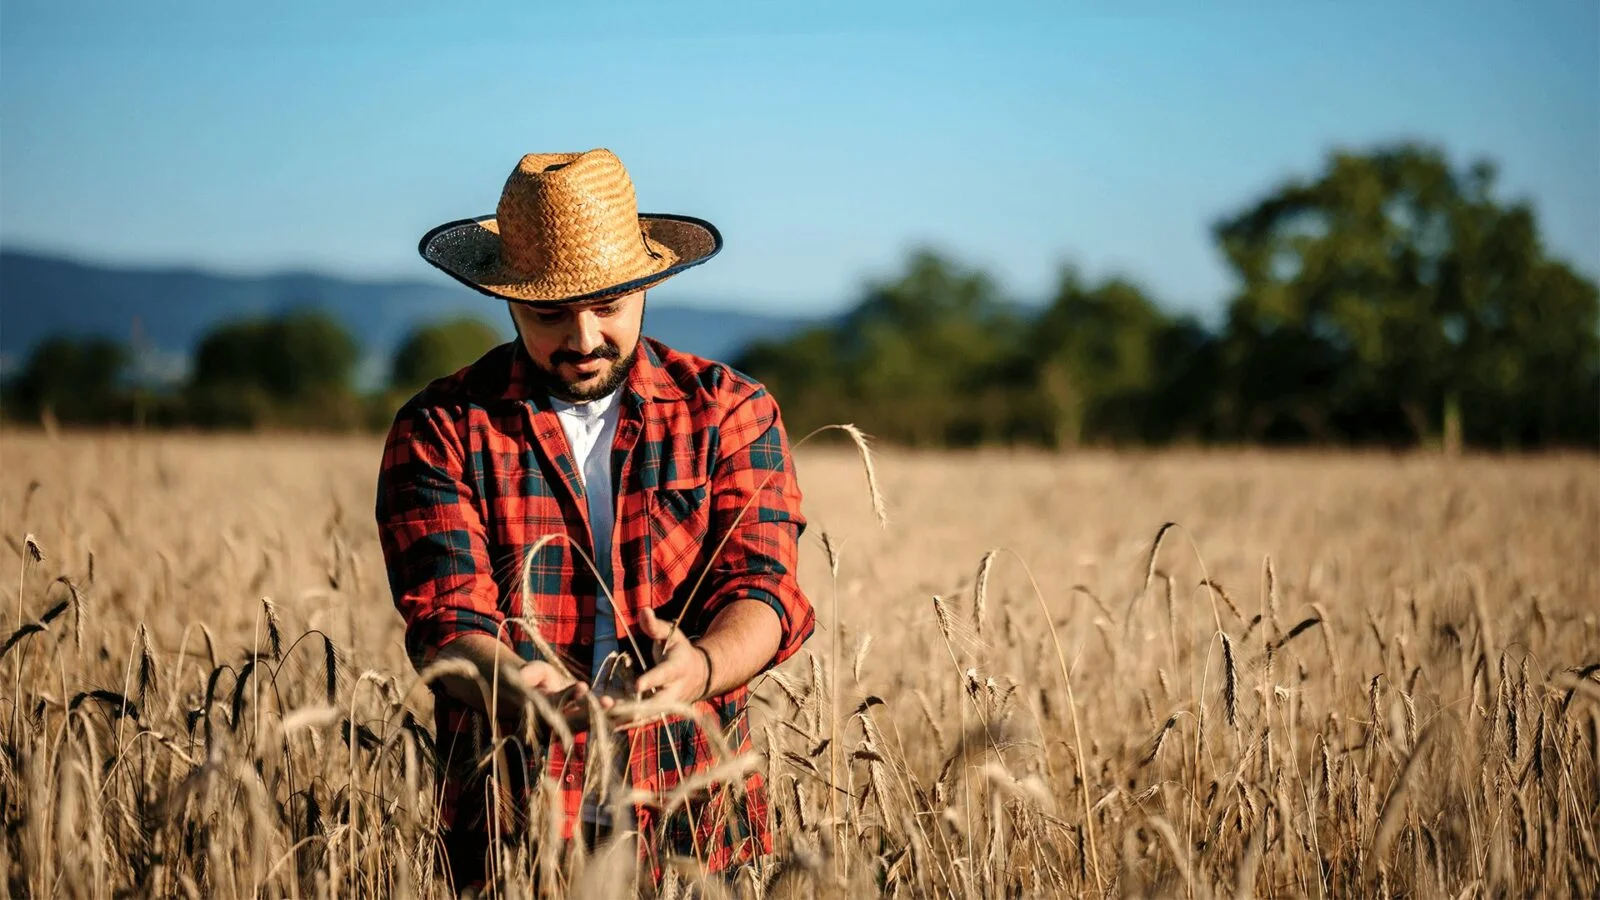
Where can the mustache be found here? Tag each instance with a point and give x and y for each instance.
(604, 351)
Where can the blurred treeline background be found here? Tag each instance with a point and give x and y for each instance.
(1389, 299)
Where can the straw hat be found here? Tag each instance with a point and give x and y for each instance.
(568, 230)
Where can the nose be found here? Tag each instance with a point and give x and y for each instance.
(585, 337)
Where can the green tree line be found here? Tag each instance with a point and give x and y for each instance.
(1391, 299)
(296, 370)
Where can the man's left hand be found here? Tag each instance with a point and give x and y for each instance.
(681, 671)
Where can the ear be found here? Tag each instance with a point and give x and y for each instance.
(515, 326)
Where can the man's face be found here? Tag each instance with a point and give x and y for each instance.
(584, 351)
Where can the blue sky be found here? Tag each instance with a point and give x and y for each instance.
(825, 139)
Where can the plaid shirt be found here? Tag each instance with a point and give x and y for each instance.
(476, 470)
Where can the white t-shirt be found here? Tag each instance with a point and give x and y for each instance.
(591, 429)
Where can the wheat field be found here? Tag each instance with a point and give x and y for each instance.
(1331, 676)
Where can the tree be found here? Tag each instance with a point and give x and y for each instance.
(294, 369)
(78, 381)
(805, 374)
(1392, 289)
(920, 350)
(914, 362)
(938, 357)
(1093, 351)
(437, 349)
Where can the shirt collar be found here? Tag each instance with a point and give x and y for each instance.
(650, 379)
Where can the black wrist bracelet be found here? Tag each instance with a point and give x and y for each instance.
(705, 692)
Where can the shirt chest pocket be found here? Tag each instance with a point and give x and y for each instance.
(680, 510)
(676, 506)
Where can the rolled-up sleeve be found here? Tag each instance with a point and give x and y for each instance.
(756, 505)
(433, 539)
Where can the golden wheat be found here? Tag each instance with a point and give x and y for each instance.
(989, 735)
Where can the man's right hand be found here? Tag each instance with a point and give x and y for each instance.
(564, 693)
(546, 679)
(517, 681)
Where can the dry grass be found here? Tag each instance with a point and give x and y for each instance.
(1089, 713)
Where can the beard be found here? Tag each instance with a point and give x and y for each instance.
(591, 387)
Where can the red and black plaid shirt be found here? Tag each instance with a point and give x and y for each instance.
(477, 469)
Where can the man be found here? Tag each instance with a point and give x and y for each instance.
(621, 505)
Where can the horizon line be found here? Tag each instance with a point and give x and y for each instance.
(424, 278)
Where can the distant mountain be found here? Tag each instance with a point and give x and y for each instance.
(169, 310)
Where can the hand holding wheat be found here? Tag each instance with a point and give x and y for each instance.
(682, 673)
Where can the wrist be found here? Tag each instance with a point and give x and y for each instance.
(705, 657)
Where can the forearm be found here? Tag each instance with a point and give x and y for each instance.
(756, 525)
(486, 655)
(743, 638)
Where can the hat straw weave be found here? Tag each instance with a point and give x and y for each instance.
(568, 229)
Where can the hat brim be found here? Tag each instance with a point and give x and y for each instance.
(468, 250)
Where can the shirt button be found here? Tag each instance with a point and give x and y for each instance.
(571, 778)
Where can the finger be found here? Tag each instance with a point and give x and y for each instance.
(543, 677)
(648, 682)
(550, 678)
(653, 627)
(672, 675)
(577, 716)
(534, 675)
(657, 678)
